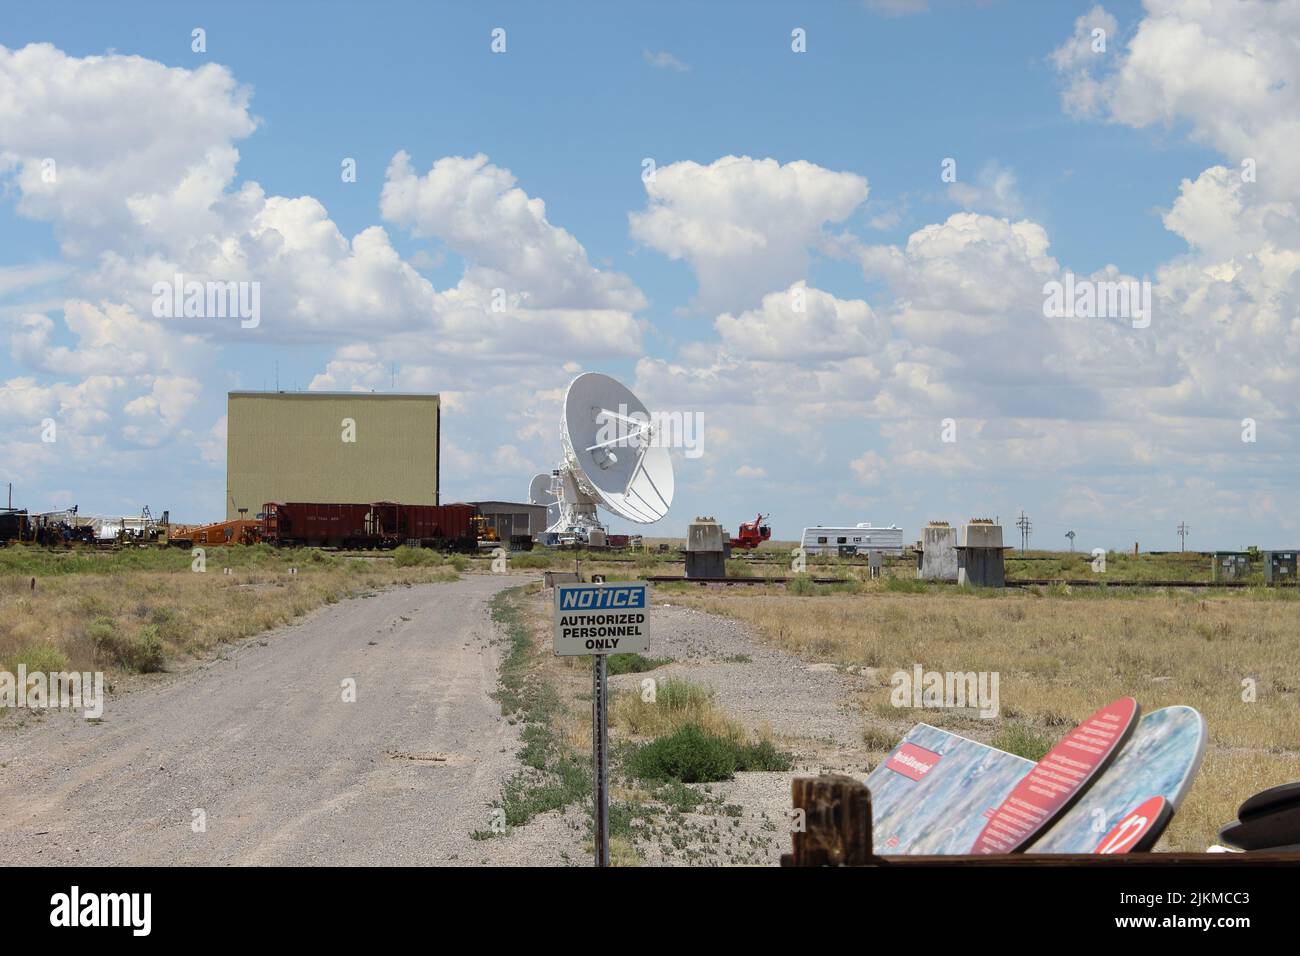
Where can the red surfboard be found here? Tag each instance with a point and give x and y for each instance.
(1057, 780)
(1139, 830)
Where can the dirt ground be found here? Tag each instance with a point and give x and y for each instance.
(281, 767)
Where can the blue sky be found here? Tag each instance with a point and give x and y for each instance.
(1115, 432)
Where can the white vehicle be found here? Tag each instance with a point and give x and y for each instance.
(573, 536)
(846, 542)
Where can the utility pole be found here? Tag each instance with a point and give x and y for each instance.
(1024, 524)
(1182, 534)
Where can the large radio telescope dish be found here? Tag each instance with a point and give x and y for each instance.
(610, 445)
(613, 458)
(541, 491)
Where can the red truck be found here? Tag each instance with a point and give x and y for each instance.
(752, 533)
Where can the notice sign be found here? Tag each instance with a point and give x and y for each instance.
(1058, 779)
(601, 619)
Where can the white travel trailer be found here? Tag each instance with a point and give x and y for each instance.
(859, 539)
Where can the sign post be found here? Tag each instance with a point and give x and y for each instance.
(600, 754)
(600, 619)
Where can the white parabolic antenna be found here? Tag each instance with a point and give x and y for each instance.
(613, 457)
(541, 492)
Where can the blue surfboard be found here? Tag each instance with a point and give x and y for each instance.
(1161, 759)
(935, 791)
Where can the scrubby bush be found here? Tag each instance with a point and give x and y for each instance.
(404, 557)
(689, 755)
(45, 658)
(102, 632)
(801, 585)
(739, 568)
(877, 739)
(147, 655)
(1023, 741)
(762, 756)
(144, 653)
(692, 755)
(632, 663)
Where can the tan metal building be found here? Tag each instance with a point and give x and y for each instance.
(509, 518)
(356, 447)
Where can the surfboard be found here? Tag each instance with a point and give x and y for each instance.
(935, 791)
(1139, 830)
(1058, 780)
(1264, 831)
(1267, 801)
(1161, 759)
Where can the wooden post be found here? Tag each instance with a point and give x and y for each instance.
(834, 827)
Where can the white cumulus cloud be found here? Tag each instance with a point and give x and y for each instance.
(743, 225)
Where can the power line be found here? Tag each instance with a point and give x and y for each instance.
(1025, 525)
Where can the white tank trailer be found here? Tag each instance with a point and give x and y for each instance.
(846, 542)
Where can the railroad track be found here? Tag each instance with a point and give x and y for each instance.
(1011, 582)
(669, 578)
(1084, 582)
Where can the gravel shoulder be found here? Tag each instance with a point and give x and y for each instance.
(809, 710)
(755, 683)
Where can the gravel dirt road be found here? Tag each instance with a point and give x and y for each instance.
(283, 769)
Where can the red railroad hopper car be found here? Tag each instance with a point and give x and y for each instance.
(445, 527)
(382, 524)
(309, 524)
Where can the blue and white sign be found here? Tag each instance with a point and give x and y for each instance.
(601, 619)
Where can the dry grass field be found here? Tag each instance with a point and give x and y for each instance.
(142, 611)
(1060, 653)
(1060, 656)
